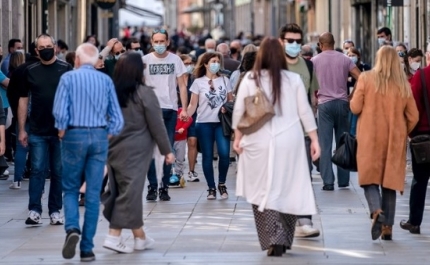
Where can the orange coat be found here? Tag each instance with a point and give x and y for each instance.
(383, 125)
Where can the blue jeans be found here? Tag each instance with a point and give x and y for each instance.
(170, 117)
(20, 157)
(207, 134)
(332, 115)
(353, 122)
(83, 151)
(43, 150)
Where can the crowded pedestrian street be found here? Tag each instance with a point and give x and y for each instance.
(192, 230)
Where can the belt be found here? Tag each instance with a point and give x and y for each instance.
(85, 127)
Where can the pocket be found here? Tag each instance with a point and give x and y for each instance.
(71, 151)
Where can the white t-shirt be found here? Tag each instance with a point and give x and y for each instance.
(210, 102)
(161, 73)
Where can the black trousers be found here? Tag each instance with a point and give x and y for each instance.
(418, 191)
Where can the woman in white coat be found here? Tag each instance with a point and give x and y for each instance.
(273, 173)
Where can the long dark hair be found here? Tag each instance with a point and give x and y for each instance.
(270, 57)
(128, 76)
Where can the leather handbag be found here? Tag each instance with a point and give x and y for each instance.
(258, 111)
(420, 144)
(345, 155)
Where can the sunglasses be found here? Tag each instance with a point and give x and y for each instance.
(122, 51)
(298, 41)
(211, 86)
(401, 54)
(162, 31)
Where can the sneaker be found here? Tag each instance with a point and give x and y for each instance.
(33, 218)
(306, 231)
(4, 177)
(152, 194)
(115, 243)
(56, 219)
(211, 194)
(182, 182)
(16, 185)
(6, 173)
(69, 247)
(140, 244)
(87, 256)
(164, 194)
(223, 191)
(193, 177)
(174, 181)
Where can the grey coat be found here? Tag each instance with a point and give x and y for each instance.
(129, 157)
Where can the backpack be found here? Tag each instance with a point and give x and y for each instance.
(310, 67)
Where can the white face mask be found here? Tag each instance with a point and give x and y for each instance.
(415, 66)
(210, 50)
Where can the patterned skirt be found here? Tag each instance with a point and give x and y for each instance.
(274, 228)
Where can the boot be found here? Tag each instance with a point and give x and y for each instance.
(378, 219)
(387, 232)
(275, 250)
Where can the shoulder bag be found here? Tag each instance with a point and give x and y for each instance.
(258, 111)
(420, 144)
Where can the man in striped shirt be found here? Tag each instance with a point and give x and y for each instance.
(87, 113)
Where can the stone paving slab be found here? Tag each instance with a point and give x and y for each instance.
(191, 230)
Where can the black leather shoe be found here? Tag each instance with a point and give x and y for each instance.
(328, 187)
(275, 250)
(413, 229)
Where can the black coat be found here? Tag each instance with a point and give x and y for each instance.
(226, 118)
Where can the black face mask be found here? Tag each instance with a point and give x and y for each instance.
(233, 50)
(1, 57)
(46, 54)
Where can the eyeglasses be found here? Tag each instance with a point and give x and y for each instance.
(162, 31)
(211, 86)
(118, 53)
(289, 40)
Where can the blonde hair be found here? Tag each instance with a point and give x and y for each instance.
(249, 48)
(388, 73)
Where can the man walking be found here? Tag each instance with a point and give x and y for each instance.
(41, 81)
(164, 71)
(291, 36)
(86, 112)
(332, 69)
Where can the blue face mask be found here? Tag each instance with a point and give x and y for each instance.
(354, 59)
(292, 49)
(117, 56)
(214, 67)
(160, 48)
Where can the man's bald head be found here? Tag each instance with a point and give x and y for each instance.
(223, 49)
(326, 41)
(210, 44)
(86, 53)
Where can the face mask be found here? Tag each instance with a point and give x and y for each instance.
(21, 51)
(292, 49)
(46, 54)
(117, 56)
(381, 41)
(140, 52)
(61, 56)
(233, 50)
(160, 48)
(214, 67)
(190, 69)
(210, 50)
(415, 65)
(345, 52)
(354, 59)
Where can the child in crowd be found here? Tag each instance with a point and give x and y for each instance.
(181, 130)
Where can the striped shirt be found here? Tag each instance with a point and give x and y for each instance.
(86, 98)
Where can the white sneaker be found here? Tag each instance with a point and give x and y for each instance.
(56, 219)
(16, 185)
(193, 177)
(33, 218)
(306, 231)
(6, 173)
(140, 244)
(115, 243)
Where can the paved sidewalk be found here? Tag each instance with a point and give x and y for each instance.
(191, 230)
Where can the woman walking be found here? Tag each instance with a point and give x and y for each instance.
(273, 172)
(387, 113)
(130, 154)
(210, 91)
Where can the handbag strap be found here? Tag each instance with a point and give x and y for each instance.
(425, 94)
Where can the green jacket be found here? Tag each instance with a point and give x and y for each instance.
(110, 66)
